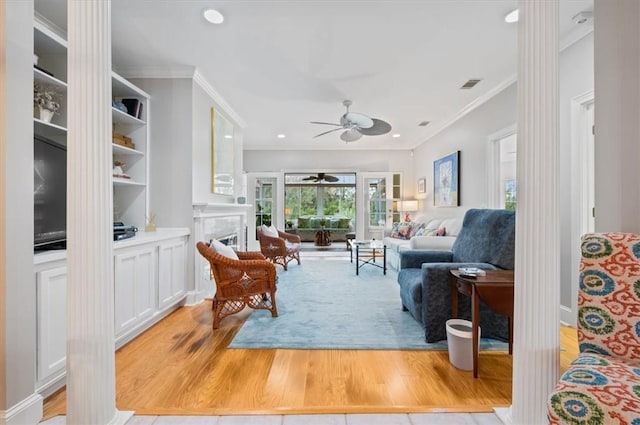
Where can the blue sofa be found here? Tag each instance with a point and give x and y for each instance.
(486, 241)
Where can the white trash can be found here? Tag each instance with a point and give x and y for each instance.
(460, 343)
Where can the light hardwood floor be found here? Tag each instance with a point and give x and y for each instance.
(182, 367)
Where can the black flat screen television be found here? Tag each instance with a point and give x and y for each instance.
(49, 194)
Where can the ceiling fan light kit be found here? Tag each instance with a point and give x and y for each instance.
(354, 125)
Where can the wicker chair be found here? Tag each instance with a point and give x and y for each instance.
(251, 281)
(276, 249)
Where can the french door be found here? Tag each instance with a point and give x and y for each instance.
(375, 196)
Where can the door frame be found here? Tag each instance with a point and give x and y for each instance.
(277, 207)
(579, 195)
(362, 202)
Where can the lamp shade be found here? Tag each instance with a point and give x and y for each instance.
(408, 206)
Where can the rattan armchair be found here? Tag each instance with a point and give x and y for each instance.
(248, 281)
(276, 249)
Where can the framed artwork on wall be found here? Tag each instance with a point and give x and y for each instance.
(422, 185)
(222, 146)
(446, 181)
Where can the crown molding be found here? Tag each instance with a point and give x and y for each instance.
(476, 103)
(577, 34)
(218, 99)
(45, 22)
(168, 71)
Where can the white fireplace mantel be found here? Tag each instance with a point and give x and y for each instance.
(212, 220)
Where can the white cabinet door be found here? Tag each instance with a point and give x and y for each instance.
(51, 294)
(171, 272)
(135, 281)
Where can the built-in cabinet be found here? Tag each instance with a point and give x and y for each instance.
(172, 272)
(130, 195)
(135, 274)
(149, 281)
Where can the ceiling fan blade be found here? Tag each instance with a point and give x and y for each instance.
(326, 123)
(327, 132)
(379, 127)
(350, 135)
(330, 179)
(310, 178)
(359, 120)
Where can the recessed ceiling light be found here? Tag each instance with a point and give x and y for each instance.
(228, 136)
(281, 136)
(512, 17)
(395, 136)
(213, 16)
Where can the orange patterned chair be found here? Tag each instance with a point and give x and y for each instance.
(279, 249)
(602, 386)
(249, 280)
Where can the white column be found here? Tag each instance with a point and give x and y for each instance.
(537, 273)
(90, 329)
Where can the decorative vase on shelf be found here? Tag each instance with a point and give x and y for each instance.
(45, 115)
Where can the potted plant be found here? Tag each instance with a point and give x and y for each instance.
(46, 100)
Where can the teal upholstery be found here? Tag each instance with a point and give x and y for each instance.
(486, 241)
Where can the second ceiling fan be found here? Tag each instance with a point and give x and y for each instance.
(355, 125)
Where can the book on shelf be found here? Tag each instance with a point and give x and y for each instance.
(134, 107)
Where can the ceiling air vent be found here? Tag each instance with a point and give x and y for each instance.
(424, 123)
(470, 84)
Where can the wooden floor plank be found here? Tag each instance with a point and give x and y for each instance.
(182, 367)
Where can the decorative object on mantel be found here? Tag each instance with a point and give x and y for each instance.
(241, 200)
(151, 223)
(118, 170)
(446, 181)
(46, 102)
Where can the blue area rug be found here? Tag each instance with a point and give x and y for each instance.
(322, 304)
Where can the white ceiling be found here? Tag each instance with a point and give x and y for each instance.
(281, 64)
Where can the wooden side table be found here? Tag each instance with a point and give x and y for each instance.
(495, 290)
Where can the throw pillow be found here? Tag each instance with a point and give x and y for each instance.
(438, 232)
(415, 228)
(401, 230)
(223, 249)
(270, 231)
(344, 223)
(303, 222)
(419, 232)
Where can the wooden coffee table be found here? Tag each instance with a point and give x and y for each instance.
(367, 252)
(495, 290)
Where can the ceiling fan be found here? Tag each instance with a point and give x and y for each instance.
(320, 178)
(356, 125)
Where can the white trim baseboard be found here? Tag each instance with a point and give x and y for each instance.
(26, 412)
(567, 317)
(193, 298)
(504, 414)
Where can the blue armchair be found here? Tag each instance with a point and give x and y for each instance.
(486, 241)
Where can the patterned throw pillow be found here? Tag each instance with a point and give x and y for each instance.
(438, 232)
(401, 231)
(415, 228)
(420, 232)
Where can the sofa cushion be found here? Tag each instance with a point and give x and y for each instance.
(432, 242)
(344, 223)
(394, 244)
(438, 232)
(303, 222)
(487, 236)
(452, 226)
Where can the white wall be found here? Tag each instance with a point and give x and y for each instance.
(617, 108)
(576, 79)
(19, 305)
(469, 136)
(169, 150)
